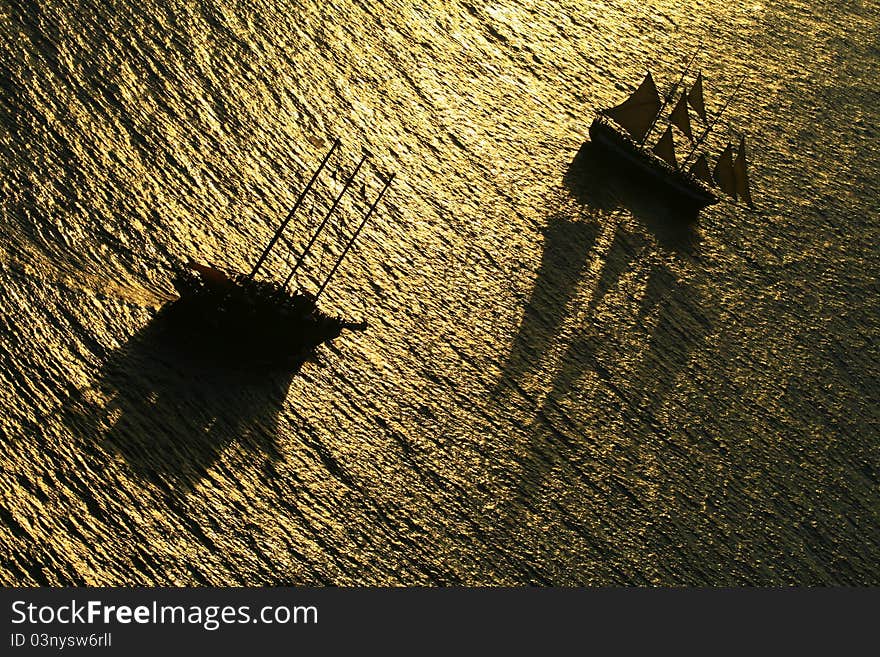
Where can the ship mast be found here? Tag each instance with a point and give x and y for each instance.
(325, 220)
(354, 237)
(671, 93)
(293, 210)
(714, 121)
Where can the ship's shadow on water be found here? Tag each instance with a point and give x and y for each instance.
(170, 405)
(606, 331)
(601, 189)
(603, 184)
(567, 245)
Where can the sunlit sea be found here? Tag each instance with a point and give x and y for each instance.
(562, 382)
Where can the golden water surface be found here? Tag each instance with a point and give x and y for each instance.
(561, 384)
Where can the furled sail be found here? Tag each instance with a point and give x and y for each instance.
(665, 149)
(700, 169)
(636, 114)
(739, 172)
(695, 97)
(679, 117)
(723, 173)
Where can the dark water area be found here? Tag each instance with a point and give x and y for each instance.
(564, 381)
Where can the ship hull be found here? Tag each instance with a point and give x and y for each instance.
(676, 185)
(241, 321)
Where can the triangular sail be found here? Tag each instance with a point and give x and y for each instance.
(679, 117)
(665, 149)
(739, 172)
(700, 169)
(723, 173)
(695, 97)
(636, 114)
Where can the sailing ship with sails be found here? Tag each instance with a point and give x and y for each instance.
(624, 132)
(262, 322)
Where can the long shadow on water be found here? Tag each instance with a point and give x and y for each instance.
(170, 407)
(635, 352)
(604, 185)
(567, 243)
(601, 188)
(669, 309)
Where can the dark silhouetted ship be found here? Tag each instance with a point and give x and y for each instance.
(623, 132)
(237, 317)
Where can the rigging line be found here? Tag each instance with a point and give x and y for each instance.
(712, 125)
(325, 220)
(293, 210)
(671, 93)
(354, 237)
(309, 226)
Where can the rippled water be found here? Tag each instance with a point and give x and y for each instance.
(560, 383)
